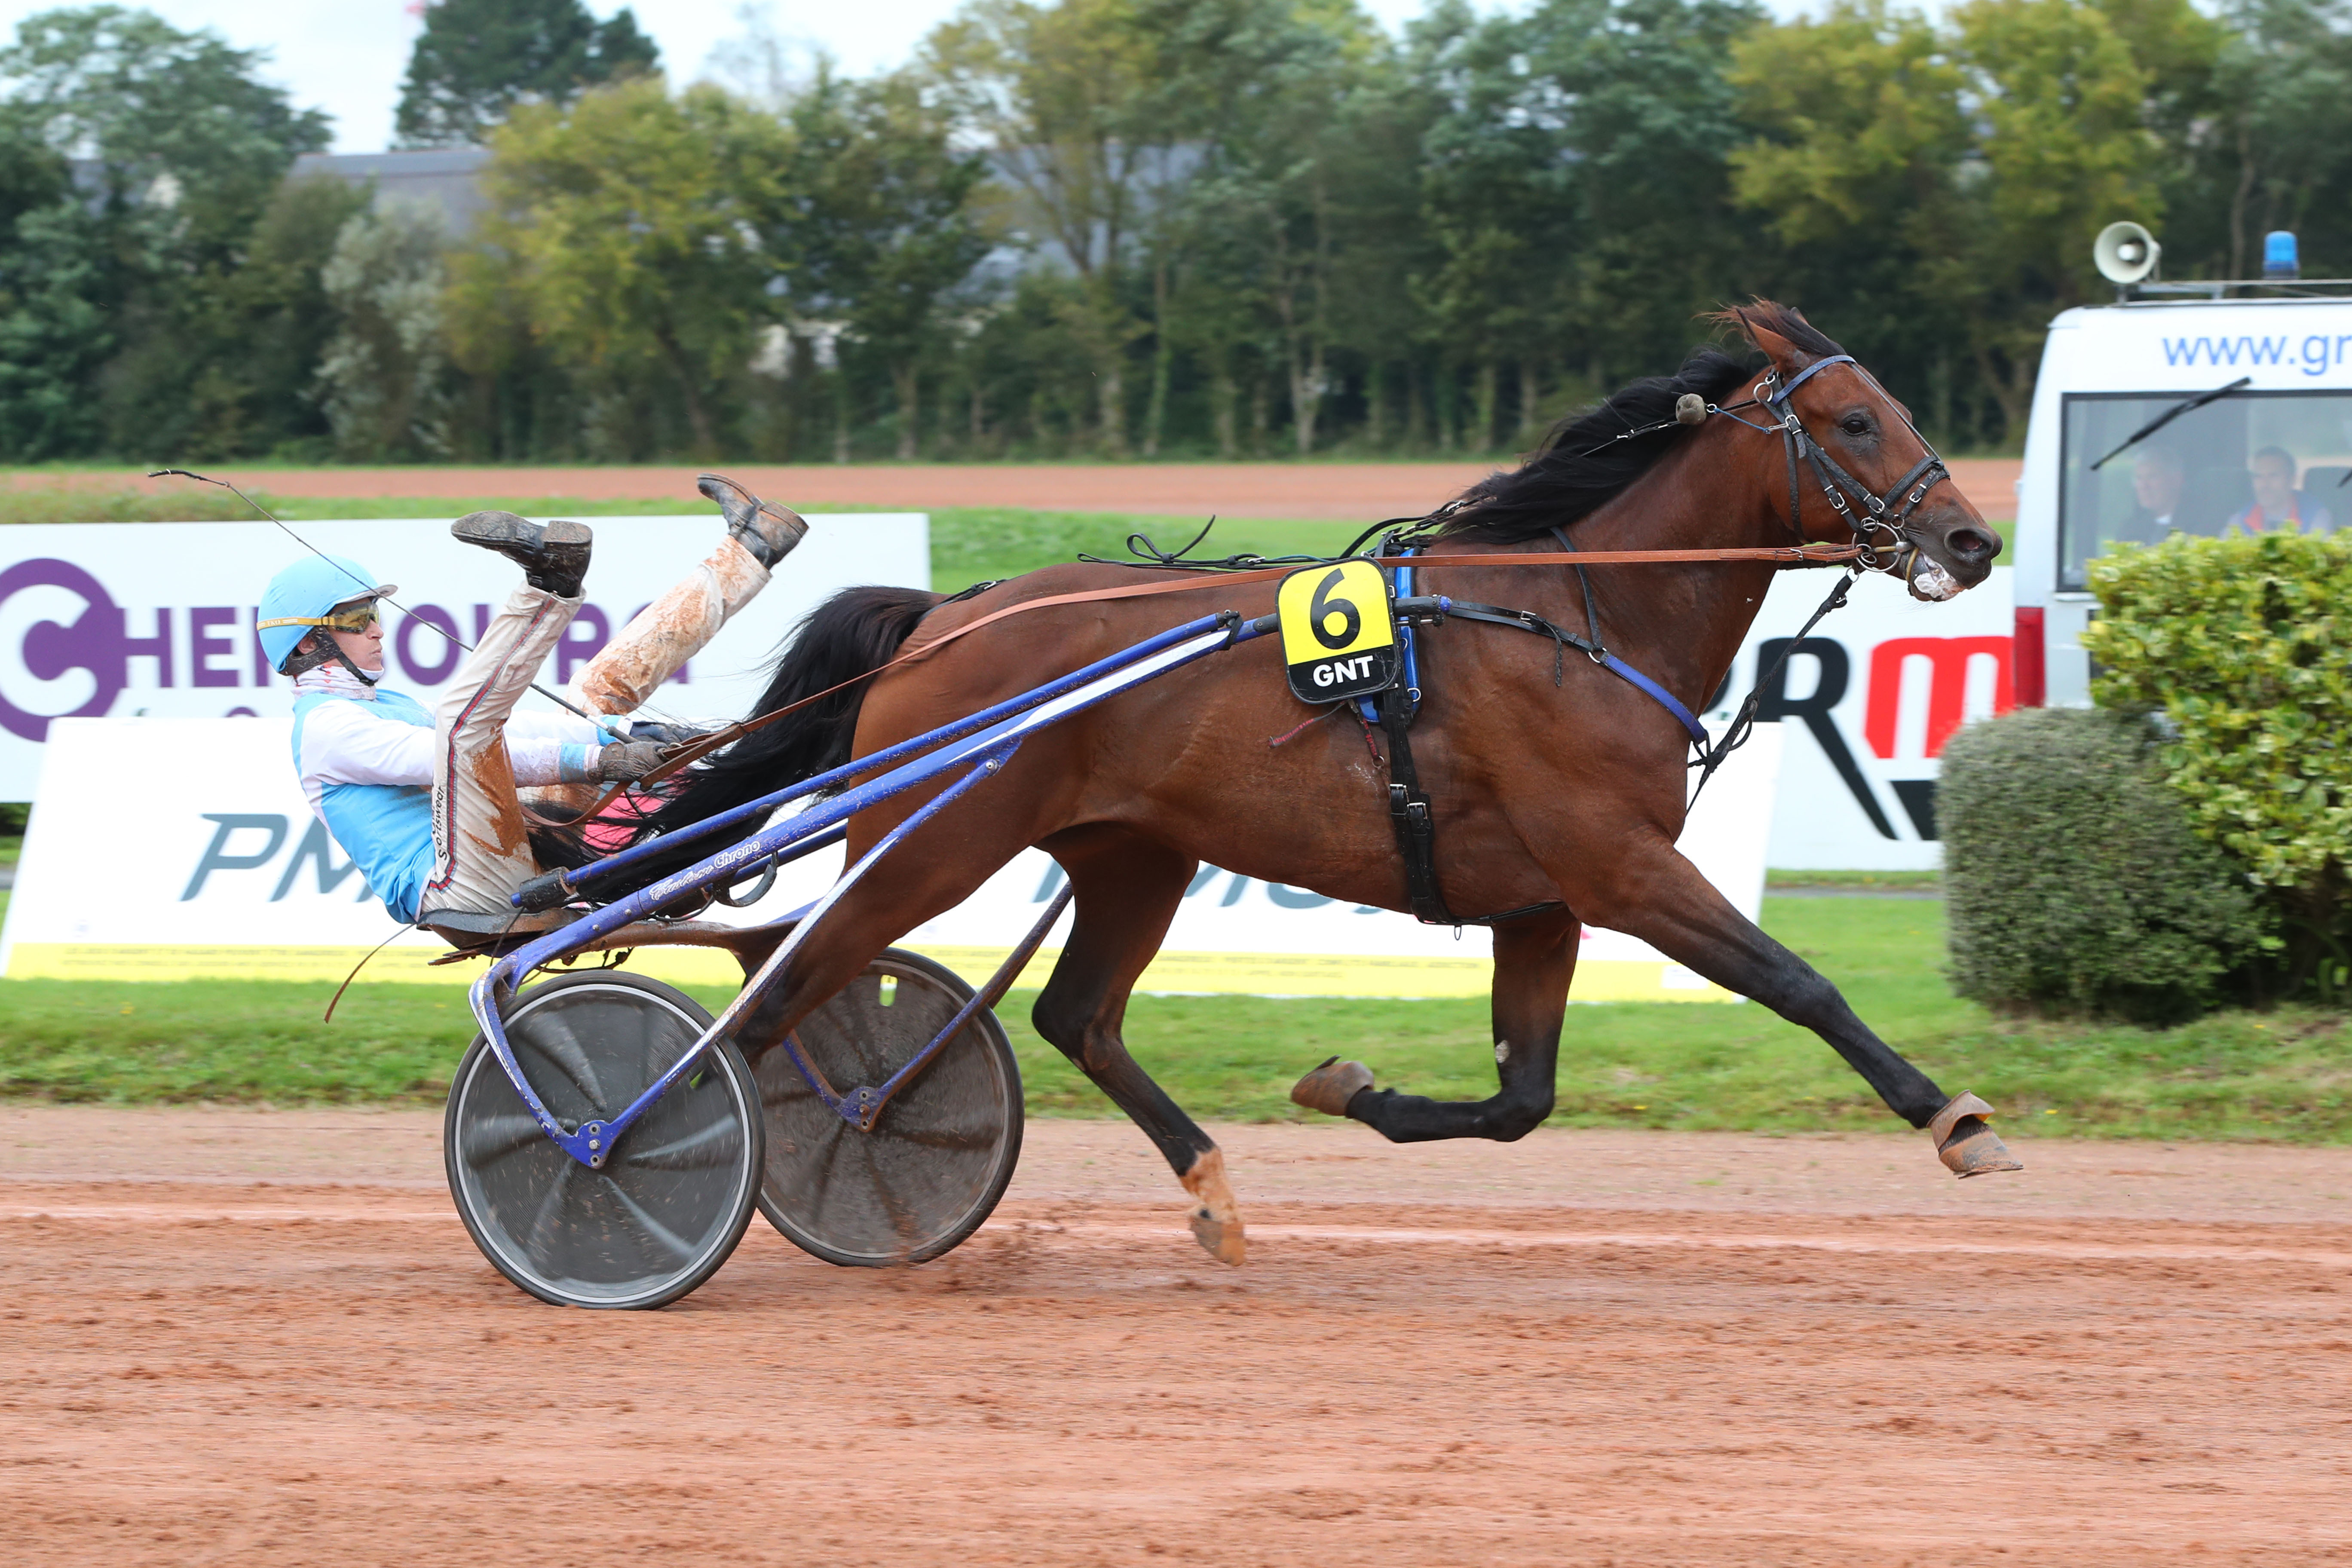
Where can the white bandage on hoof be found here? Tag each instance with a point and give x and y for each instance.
(1966, 1145)
(1329, 1087)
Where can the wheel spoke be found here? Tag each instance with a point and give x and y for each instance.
(901, 1215)
(550, 1034)
(820, 1179)
(652, 1228)
(987, 1137)
(710, 1147)
(788, 1087)
(494, 1138)
(535, 1239)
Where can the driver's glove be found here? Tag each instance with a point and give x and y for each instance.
(629, 761)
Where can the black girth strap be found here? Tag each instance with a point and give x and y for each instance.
(1416, 825)
(1409, 813)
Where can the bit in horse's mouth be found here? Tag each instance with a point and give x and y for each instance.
(1929, 581)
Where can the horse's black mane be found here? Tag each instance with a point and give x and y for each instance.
(1566, 477)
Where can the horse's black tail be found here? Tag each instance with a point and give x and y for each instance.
(853, 633)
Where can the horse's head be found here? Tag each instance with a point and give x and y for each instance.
(1857, 469)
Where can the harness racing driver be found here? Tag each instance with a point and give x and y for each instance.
(425, 801)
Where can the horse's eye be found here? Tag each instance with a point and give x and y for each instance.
(1856, 425)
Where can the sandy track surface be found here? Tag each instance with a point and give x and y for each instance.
(1584, 1348)
(1361, 492)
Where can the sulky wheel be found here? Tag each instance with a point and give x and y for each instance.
(939, 1158)
(669, 1205)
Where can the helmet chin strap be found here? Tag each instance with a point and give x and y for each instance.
(302, 659)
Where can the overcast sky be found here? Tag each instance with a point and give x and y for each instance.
(347, 56)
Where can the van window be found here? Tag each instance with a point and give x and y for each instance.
(2249, 461)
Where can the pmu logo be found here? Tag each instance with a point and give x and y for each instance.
(1897, 666)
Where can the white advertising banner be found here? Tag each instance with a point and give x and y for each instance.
(182, 848)
(100, 619)
(1867, 706)
(153, 618)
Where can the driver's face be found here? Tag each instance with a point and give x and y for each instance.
(364, 648)
(2156, 483)
(2274, 485)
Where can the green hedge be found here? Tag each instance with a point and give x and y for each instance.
(2242, 647)
(2074, 879)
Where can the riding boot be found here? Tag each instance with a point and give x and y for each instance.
(553, 555)
(768, 530)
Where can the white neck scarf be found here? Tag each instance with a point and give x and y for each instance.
(331, 680)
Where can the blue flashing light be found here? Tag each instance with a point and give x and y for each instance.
(2279, 257)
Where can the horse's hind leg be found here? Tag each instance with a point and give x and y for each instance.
(1534, 961)
(1128, 890)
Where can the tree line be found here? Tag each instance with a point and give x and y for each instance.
(1120, 227)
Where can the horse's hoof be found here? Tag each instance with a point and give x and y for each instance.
(1329, 1087)
(1223, 1240)
(1216, 1219)
(1966, 1145)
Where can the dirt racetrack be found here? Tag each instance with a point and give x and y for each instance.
(260, 1338)
(1360, 492)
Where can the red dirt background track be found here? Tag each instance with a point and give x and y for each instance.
(1351, 491)
(254, 1338)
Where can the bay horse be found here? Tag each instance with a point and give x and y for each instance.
(1559, 792)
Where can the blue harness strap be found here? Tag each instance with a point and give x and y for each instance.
(1525, 620)
(1412, 811)
(1666, 699)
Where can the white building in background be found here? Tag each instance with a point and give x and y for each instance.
(447, 179)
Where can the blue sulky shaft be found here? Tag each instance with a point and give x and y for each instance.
(577, 881)
(979, 744)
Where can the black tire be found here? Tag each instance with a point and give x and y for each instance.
(938, 1159)
(668, 1208)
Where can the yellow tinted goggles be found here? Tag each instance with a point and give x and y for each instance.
(356, 619)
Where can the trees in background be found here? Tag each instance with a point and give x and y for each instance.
(478, 59)
(623, 239)
(151, 244)
(1104, 226)
(870, 228)
(1062, 93)
(383, 378)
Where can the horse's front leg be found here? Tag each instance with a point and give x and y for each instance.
(1535, 958)
(1660, 897)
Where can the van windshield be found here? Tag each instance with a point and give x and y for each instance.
(2247, 461)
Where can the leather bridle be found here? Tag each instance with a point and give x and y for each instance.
(1880, 522)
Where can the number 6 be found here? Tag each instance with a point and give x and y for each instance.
(1351, 620)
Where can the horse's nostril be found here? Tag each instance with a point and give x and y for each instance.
(1971, 545)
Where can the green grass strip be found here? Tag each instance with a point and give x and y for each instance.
(2284, 1076)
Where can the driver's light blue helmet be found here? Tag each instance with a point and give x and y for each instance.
(307, 595)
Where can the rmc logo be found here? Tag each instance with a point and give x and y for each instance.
(1945, 664)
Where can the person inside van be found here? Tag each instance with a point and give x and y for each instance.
(2276, 500)
(2158, 480)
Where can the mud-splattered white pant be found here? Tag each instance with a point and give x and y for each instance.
(481, 843)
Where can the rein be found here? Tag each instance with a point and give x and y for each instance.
(1878, 524)
(1777, 554)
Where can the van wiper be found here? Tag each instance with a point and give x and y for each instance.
(2185, 406)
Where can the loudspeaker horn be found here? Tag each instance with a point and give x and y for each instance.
(2126, 253)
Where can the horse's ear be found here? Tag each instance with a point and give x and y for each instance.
(1760, 323)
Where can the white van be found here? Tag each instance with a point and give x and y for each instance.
(2276, 446)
